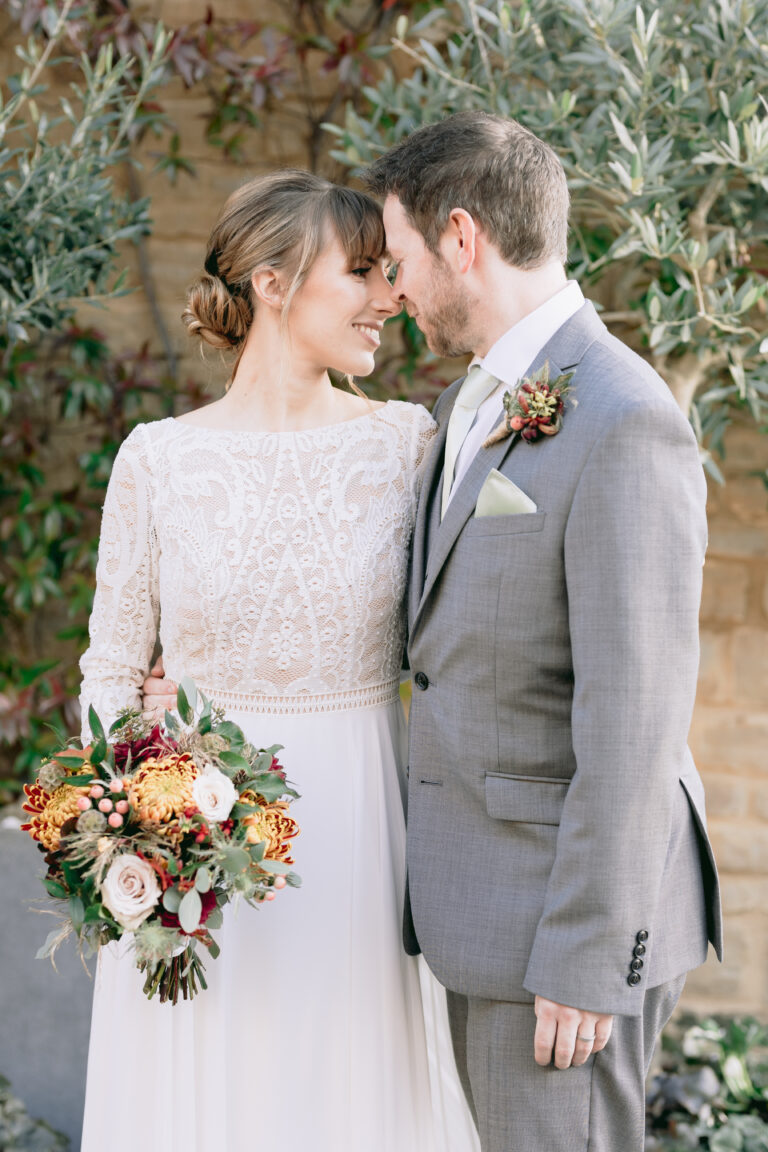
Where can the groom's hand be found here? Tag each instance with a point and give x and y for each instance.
(159, 693)
(571, 1034)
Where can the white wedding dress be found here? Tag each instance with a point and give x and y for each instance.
(274, 566)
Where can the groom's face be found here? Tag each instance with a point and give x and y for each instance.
(432, 294)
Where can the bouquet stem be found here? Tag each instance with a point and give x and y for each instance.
(180, 974)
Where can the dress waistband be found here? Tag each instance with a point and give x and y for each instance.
(349, 700)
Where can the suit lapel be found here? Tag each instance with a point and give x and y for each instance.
(459, 510)
(563, 351)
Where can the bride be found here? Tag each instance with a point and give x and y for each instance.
(265, 537)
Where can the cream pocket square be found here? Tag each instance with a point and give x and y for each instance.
(500, 497)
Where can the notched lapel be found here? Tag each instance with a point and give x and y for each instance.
(459, 510)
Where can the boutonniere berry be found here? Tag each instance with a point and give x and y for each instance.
(535, 408)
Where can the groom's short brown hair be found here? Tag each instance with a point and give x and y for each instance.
(512, 183)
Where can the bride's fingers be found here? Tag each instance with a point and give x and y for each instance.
(155, 686)
(155, 707)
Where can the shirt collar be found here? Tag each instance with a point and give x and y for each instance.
(513, 352)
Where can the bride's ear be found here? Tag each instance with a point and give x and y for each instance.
(268, 287)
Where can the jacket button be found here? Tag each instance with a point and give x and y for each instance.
(638, 950)
(634, 979)
(642, 936)
(636, 964)
(421, 681)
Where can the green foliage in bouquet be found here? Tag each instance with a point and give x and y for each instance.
(713, 1090)
(19, 1132)
(660, 116)
(152, 829)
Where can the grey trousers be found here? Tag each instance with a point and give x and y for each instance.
(519, 1106)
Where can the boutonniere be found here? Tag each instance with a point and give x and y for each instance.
(535, 408)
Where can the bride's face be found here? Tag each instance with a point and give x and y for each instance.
(336, 317)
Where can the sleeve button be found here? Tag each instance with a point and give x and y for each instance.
(642, 936)
(633, 979)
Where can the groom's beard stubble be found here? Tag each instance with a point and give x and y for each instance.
(445, 320)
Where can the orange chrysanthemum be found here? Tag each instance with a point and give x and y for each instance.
(162, 788)
(271, 826)
(49, 811)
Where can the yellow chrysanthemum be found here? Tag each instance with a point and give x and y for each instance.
(271, 826)
(162, 788)
(49, 811)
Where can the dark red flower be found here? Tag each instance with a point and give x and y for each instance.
(277, 768)
(152, 745)
(171, 920)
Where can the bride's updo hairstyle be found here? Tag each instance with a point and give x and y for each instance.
(281, 221)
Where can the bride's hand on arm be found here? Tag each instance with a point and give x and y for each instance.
(158, 693)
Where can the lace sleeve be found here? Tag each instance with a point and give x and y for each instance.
(422, 434)
(123, 624)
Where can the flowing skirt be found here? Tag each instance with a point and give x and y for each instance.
(316, 1033)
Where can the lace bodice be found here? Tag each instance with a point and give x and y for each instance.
(274, 564)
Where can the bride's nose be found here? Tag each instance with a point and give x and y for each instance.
(382, 298)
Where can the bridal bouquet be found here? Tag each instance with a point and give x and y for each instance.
(153, 828)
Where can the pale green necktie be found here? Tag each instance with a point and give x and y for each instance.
(476, 388)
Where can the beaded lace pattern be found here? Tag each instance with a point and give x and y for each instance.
(273, 564)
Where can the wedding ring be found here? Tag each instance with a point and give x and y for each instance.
(586, 1039)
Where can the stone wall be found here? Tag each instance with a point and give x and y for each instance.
(729, 736)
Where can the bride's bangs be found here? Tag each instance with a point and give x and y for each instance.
(359, 226)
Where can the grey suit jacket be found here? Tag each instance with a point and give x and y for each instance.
(556, 829)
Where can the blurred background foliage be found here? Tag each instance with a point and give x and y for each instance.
(711, 1089)
(659, 114)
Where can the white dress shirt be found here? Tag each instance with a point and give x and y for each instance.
(508, 359)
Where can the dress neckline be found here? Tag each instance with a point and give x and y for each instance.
(253, 433)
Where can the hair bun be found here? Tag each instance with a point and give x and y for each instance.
(215, 314)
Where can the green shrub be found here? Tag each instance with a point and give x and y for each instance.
(19, 1133)
(713, 1090)
(660, 116)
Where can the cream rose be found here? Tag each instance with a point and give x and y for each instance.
(130, 890)
(214, 793)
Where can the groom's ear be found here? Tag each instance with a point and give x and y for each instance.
(459, 240)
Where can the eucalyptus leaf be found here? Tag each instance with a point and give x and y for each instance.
(278, 867)
(203, 880)
(235, 760)
(52, 940)
(95, 724)
(190, 910)
(183, 705)
(171, 723)
(171, 900)
(187, 686)
(270, 786)
(235, 859)
(76, 911)
(70, 761)
(231, 732)
(99, 750)
(215, 919)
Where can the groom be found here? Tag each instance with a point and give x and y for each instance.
(561, 881)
